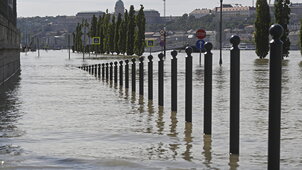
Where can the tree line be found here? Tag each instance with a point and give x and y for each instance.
(121, 35)
(263, 22)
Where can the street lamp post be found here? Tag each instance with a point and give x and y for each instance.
(165, 41)
(220, 34)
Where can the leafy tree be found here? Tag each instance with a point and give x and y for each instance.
(301, 36)
(111, 35)
(100, 34)
(140, 33)
(262, 25)
(123, 34)
(130, 31)
(282, 16)
(78, 38)
(93, 29)
(116, 34)
(103, 34)
(106, 32)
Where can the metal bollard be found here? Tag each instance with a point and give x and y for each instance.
(150, 77)
(95, 70)
(115, 72)
(92, 69)
(235, 95)
(121, 73)
(103, 71)
(174, 81)
(99, 70)
(133, 75)
(276, 46)
(89, 69)
(208, 69)
(107, 71)
(141, 76)
(127, 74)
(161, 80)
(188, 99)
(111, 71)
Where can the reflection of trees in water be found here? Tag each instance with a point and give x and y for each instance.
(149, 117)
(300, 64)
(261, 79)
(285, 74)
(199, 72)
(220, 84)
(187, 155)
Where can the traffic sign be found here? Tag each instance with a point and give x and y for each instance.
(96, 40)
(162, 32)
(150, 43)
(200, 44)
(162, 43)
(201, 34)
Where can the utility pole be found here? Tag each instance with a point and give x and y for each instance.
(220, 34)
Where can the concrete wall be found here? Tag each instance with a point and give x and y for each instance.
(9, 49)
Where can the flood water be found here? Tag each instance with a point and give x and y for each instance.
(56, 116)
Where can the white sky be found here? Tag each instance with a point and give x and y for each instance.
(29, 8)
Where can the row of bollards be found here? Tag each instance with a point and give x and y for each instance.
(105, 71)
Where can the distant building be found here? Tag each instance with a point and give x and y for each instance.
(238, 10)
(296, 8)
(89, 14)
(170, 18)
(152, 17)
(119, 8)
(198, 13)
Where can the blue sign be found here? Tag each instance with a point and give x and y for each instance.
(200, 44)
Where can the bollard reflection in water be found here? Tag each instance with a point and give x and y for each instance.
(233, 163)
(187, 155)
(149, 125)
(160, 124)
(174, 134)
(207, 150)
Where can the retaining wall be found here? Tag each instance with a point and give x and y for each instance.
(9, 49)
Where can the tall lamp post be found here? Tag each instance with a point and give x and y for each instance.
(165, 29)
(220, 34)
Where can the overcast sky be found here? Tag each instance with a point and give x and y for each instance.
(29, 8)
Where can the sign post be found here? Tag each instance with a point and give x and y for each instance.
(96, 41)
(150, 43)
(163, 39)
(200, 46)
(200, 34)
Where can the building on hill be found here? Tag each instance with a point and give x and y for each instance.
(119, 8)
(238, 10)
(89, 14)
(296, 8)
(198, 13)
(152, 17)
